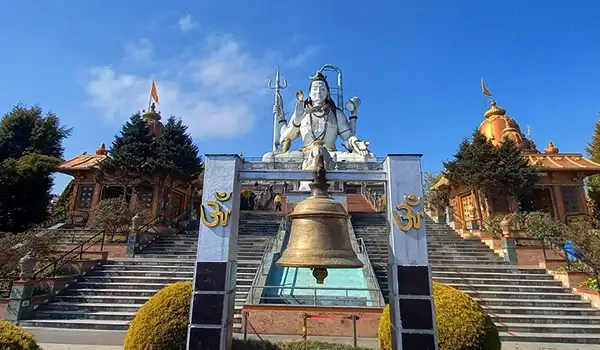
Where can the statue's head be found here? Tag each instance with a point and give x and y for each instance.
(318, 91)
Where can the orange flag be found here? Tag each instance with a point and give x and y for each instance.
(484, 89)
(154, 92)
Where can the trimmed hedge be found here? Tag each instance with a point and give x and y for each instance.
(161, 324)
(461, 323)
(14, 338)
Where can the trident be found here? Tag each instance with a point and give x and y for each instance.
(278, 115)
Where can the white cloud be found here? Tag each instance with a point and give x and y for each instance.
(186, 23)
(140, 50)
(303, 56)
(215, 94)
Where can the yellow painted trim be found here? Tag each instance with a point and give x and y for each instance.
(553, 162)
(573, 162)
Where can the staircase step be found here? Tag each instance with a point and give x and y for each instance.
(76, 323)
(549, 338)
(572, 329)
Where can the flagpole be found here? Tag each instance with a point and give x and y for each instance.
(150, 97)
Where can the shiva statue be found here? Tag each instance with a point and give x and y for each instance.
(318, 122)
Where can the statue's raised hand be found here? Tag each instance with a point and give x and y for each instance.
(299, 112)
(361, 147)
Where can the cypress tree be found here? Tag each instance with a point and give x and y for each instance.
(131, 155)
(593, 182)
(474, 166)
(176, 154)
(514, 176)
(30, 149)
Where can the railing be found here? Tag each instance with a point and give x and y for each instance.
(556, 245)
(374, 197)
(314, 299)
(358, 244)
(273, 246)
(66, 257)
(48, 223)
(64, 232)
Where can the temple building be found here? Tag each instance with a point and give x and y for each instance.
(88, 191)
(559, 192)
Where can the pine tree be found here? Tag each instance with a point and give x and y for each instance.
(514, 176)
(474, 166)
(30, 149)
(131, 155)
(176, 154)
(593, 182)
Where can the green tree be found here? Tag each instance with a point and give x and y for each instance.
(474, 166)
(514, 176)
(30, 149)
(176, 154)
(593, 182)
(131, 155)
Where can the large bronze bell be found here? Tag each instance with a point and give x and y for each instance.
(319, 232)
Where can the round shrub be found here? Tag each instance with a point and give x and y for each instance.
(14, 338)
(161, 323)
(461, 323)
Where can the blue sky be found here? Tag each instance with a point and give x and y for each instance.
(416, 66)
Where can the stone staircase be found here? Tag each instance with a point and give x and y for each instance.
(109, 297)
(525, 304)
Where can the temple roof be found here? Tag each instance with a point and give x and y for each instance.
(84, 161)
(564, 162)
(574, 162)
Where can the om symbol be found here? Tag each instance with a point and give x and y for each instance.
(218, 216)
(412, 219)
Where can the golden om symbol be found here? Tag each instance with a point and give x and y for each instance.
(218, 216)
(412, 221)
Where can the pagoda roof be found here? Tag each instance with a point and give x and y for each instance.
(563, 162)
(574, 162)
(81, 162)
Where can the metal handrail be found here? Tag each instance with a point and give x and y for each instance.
(316, 297)
(55, 219)
(553, 243)
(273, 246)
(80, 248)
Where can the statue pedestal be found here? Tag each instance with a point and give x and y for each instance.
(297, 156)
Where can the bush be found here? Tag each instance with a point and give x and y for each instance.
(461, 323)
(539, 224)
(114, 215)
(14, 338)
(161, 324)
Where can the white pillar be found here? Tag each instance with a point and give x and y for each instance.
(409, 274)
(213, 298)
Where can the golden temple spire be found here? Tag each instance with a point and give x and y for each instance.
(494, 110)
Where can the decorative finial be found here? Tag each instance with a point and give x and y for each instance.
(528, 132)
(101, 151)
(494, 110)
(550, 148)
(153, 107)
(319, 186)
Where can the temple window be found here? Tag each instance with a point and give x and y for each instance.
(146, 197)
(85, 193)
(571, 199)
(117, 192)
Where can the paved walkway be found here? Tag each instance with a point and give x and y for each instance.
(365, 342)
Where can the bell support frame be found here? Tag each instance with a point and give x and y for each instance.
(411, 301)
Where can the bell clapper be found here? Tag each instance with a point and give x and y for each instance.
(320, 274)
